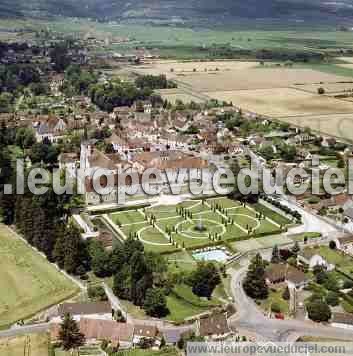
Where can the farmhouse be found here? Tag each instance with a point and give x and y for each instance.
(118, 333)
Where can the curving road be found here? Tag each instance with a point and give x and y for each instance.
(249, 317)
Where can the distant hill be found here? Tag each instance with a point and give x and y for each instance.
(189, 11)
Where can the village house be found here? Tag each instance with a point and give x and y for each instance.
(69, 162)
(122, 112)
(328, 142)
(95, 310)
(173, 141)
(97, 330)
(119, 334)
(142, 331)
(213, 326)
(51, 129)
(119, 144)
(345, 244)
(348, 213)
(304, 155)
(173, 335)
(304, 138)
(56, 82)
(342, 320)
(255, 140)
(342, 201)
(285, 273)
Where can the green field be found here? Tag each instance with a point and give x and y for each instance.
(223, 220)
(29, 283)
(260, 243)
(138, 352)
(279, 219)
(182, 303)
(192, 43)
(308, 235)
(33, 344)
(342, 262)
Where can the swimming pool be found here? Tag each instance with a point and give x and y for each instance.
(215, 255)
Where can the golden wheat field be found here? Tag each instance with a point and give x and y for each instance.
(280, 102)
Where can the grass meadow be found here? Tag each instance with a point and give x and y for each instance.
(29, 283)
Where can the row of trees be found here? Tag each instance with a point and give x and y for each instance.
(154, 82)
(43, 220)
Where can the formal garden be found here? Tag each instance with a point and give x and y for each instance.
(195, 224)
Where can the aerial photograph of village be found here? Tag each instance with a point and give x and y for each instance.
(176, 176)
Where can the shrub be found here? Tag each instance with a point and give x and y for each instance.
(286, 294)
(97, 293)
(275, 308)
(332, 245)
(332, 299)
(318, 311)
(347, 284)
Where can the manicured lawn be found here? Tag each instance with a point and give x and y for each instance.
(180, 261)
(162, 211)
(183, 291)
(33, 344)
(279, 219)
(181, 309)
(182, 303)
(341, 261)
(187, 235)
(127, 217)
(308, 235)
(260, 243)
(224, 202)
(133, 228)
(29, 283)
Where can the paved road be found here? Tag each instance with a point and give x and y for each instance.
(311, 223)
(27, 329)
(249, 317)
